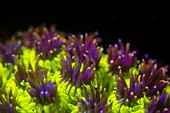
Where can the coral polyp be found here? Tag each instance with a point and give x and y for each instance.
(120, 56)
(45, 70)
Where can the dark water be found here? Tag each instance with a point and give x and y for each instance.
(144, 26)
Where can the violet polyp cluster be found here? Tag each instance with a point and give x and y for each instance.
(46, 41)
(74, 74)
(85, 45)
(44, 91)
(9, 49)
(120, 56)
(94, 102)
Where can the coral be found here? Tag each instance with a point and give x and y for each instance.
(45, 70)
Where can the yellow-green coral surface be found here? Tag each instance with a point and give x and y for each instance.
(44, 70)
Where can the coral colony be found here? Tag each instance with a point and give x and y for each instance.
(44, 70)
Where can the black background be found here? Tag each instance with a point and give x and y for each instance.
(145, 25)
